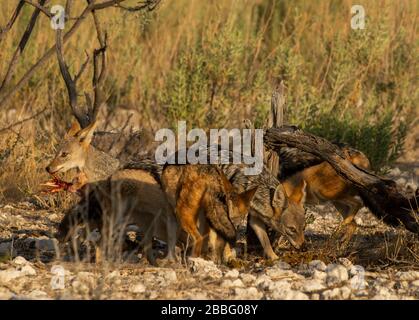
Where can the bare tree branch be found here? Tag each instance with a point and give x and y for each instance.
(12, 20)
(22, 44)
(148, 4)
(40, 7)
(80, 114)
(23, 121)
(5, 95)
(275, 120)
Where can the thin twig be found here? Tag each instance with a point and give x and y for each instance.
(23, 121)
(12, 20)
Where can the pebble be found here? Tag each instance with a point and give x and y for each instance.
(289, 295)
(27, 270)
(205, 267)
(9, 274)
(407, 275)
(282, 265)
(342, 293)
(233, 274)
(247, 294)
(312, 286)
(20, 261)
(336, 274)
(317, 265)
(230, 284)
(137, 288)
(248, 278)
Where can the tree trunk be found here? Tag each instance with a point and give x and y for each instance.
(379, 195)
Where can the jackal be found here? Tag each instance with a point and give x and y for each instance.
(191, 188)
(271, 206)
(77, 152)
(128, 197)
(324, 184)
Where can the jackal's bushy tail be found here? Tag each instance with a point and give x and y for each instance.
(394, 213)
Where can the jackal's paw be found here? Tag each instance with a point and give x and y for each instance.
(345, 233)
(235, 263)
(272, 257)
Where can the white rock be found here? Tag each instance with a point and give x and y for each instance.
(263, 282)
(317, 265)
(282, 265)
(230, 284)
(233, 274)
(356, 270)
(415, 284)
(280, 273)
(248, 278)
(247, 294)
(198, 296)
(137, 288)
(205, 268)
(6, 294)
(169, 275)
(9, 274)
(289, 295)
(383, 293)
(38, 294)
(20, 261)
(336, 274)
(319, 275)
(346, 263)
(407, 275)
(279, 285)
(28, 271)
(113, 275)
(342, 293)
(394, 172)
(312, 286)
(401, 181)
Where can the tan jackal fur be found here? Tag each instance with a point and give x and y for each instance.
(324, 184)
(128, 197)
(192, 189)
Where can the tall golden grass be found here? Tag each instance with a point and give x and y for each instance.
(214, 63)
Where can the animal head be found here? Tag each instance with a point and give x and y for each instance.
(356, 157)
(73, 150)
(287, 213)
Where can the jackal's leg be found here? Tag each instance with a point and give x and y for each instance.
(228, 253)
(172, 231)
(348, 208)
(259, 227)
(187, 219)
(216, 246)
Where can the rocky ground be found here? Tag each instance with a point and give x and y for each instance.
(379, 263)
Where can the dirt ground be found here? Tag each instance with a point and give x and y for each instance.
(379, 263)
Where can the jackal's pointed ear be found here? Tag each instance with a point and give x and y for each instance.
(226, 183)
(85, 136)
(248, 195)
(75, 127)
(299, 193)
(279, 197)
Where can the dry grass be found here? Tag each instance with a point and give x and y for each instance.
(206, 60)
